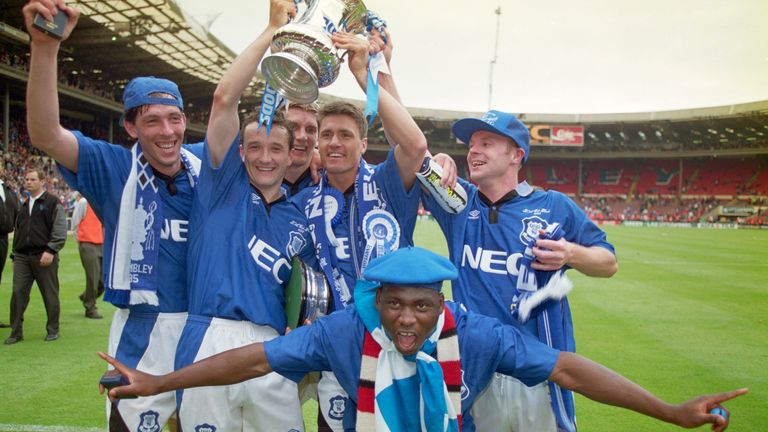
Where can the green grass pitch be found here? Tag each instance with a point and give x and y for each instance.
(686, 314)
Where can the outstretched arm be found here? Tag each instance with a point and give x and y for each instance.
(45, 131)
(412, 145)
(603, 385)
(230, 367)
(224, 122)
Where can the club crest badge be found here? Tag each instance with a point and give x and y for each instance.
(296, 243)
(337, 404)
(148, 421)
(531, 227)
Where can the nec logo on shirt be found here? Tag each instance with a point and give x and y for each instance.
(490, 261)
(268, 258)
(175, 230)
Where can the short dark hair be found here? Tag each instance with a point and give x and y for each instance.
(347, 109)
(278, 119)
(35, 169)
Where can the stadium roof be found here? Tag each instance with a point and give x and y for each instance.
(160, 29)
(116, 40)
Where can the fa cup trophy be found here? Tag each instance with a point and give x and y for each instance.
(304, 58)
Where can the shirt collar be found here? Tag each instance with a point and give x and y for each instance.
(523, 189)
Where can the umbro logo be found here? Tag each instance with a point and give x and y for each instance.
(474, 214)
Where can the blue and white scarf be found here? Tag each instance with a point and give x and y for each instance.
(395, 377)
(373, 230)
(549, 303)
(132, 276)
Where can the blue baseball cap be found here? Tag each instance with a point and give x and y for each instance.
(138, 91)
(498, 122)
(412, 266)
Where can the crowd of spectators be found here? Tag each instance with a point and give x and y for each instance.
(650, 208)
(20, 155)
(75, 79)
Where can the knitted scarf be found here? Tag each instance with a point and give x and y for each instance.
(548, 304)
(132, 275)
(386, 400)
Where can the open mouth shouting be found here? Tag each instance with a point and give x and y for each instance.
(406, 341)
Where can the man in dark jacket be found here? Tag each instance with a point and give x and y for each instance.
(9, 208)
(40, 233)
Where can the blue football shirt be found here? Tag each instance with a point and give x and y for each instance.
(335, 343)
(241, 247)
(102, 170)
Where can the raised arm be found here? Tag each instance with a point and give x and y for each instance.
(230, 367)
(603, 385)
(412, 145)
(45, 130)
(224, 122)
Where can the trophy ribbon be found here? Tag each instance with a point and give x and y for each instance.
(376, 64)
(270, 103)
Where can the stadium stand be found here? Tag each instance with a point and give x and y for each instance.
(561, 175)
(707, 164)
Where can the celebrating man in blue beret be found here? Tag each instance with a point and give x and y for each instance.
(412, 361)
(512, 245)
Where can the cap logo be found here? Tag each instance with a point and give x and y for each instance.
(490, 118)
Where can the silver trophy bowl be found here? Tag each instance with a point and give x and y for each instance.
(304, 58)
(308, 295)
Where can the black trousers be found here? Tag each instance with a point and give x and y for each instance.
(26, 270)
(3, 253)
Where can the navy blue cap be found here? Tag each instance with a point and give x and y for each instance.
(138, 91)
(498, 122)
(411, 266)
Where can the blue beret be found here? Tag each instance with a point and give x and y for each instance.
(411, 266)
(138, 91)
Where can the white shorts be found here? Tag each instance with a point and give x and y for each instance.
(507, 404)
(268, 403)
(332, 400)
(147, 342)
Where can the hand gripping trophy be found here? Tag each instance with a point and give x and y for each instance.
(304, 58)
